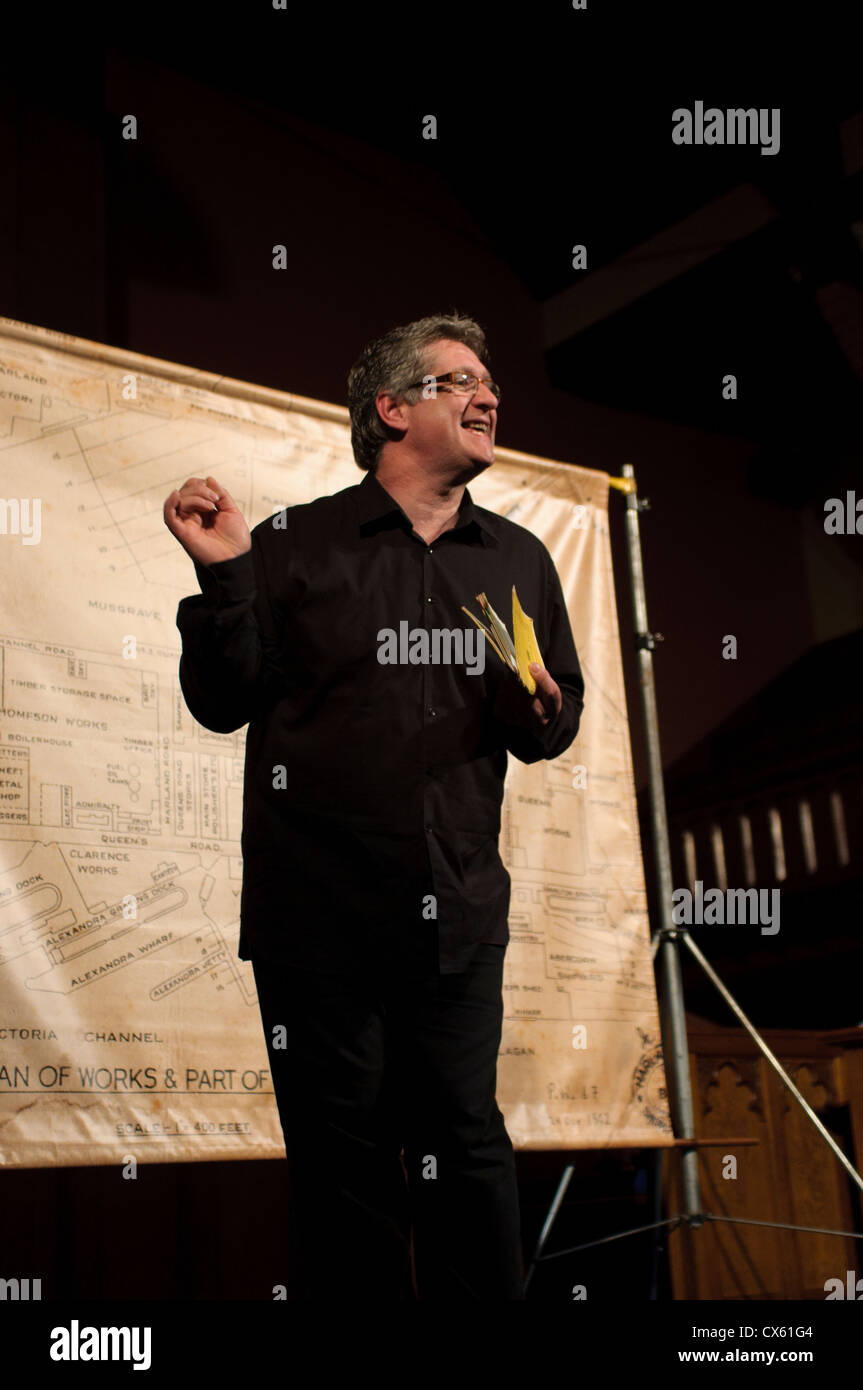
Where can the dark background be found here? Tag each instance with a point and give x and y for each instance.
(164, 245)
(701, 262)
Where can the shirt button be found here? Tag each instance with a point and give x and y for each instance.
(432, 712)
(430, 551)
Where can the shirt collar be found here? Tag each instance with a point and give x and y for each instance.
(374, 504)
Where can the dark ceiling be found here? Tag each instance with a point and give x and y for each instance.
(562, 150)
(542, 166)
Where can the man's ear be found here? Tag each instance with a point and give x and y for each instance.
(392, 411)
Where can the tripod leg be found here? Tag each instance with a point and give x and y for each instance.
(771, 1057)
(549, 1222)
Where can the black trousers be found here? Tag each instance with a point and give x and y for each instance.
(386, 1094)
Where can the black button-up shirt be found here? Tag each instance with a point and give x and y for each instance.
(372, 790)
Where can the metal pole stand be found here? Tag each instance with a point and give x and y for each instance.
(666, 941)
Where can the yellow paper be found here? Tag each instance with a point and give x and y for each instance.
(526, 645)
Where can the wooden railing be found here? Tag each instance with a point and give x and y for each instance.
(798, 835)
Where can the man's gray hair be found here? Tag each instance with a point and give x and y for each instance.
(392, 363)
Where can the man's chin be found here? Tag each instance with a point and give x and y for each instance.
(460, 470)
(474, 466)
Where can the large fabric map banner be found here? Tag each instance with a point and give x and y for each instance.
(128, 1026)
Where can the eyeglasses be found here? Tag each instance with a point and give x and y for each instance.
(458, 381)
